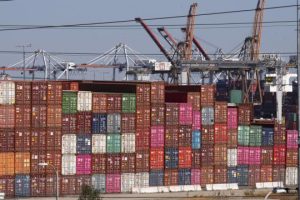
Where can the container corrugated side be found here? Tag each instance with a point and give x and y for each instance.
(113, 183)
(113, 143)
(98, 182)
(231, 157)
(22, 186)
(84, 101)
(98, 143)
(69, 144)
(38, 185)
(141, 180)
(7, 116)
(128, 162)
(22, 162)
(68, 166)
(83, 164)
(291, 177)
(157, 136)
(7, 93)
(23, 93)
(127, 182)
(128, 143)
(7, 140)
(156, 178)
(7, 164)
(7, 186)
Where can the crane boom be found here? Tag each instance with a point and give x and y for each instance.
(168, 37)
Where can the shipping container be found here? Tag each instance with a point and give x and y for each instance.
(54, 118)
(254, 175)
(127, 182)
(236, 96)
(157, 136)
(171, 136)
(245, 114)
(99, 163)
(114, 123)
(69, 144)
(171, 177)
(113, 143)
(142, 138)
(114, 103)
(143, 115)
(7, 186)
(193, 98)
(7, 116)
(83, 164)
(143, 94)
(113, 163)
(99, 123)
(22, 140)
(220, 112)
(68, 185)
(23, 93)
(196, 139)
(142, 161)
(7, 140)
(220, 134)
(99, 143)
(84, 122)
(196, 120)
(266, 173)
(255, 136)
(232, 138)
(54, 96)
(69, 102)
(83, 144)
(157, 92)
(267, 136)
(184, 177)
(242, 173)
(157, 114)
(266, 155)
(39, 92)
(231, 175)
(84, 101)
(128, 103)
(38, 185)
(207, 155)
(156, 178)
(291, 176)
(69, 122)
(68, 166)
(128, 123)
(141, 180)
(207, 95)
(278, 173)
(207, 116)
(185, 136)
(37, 157)
(99, 103)
(39, 116)
(51, 185)
(254, 155)
(243, 155)
(156, 158)
(81, 181)
(53, 139)
(128, 162)
(207, 134)
(196, 159)
(113, 183)
(7, 93)
(279, 152)
(98, 182)
(53, 158)
(279, 134)
(22, 186)
(220, 154)
(128, 143)
(172, 114)
(207, 175)
(38, 140)
(292, 139)
(22, 162)
(243, 135)
(231, 157)
(185, 114)
(195, 176)
(220, 174)
(23, 116)
(292, 157)
(171, 158)
(232, 118)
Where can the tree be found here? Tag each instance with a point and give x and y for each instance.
(89, 193)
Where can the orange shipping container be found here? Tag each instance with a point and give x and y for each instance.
(7, 164)
(220, 112)
(207, 175)
(185, 157)
(143, 94)
(232, 140)
(207, 95)
(54, 118)
(99, 103)
(245, 112)
(22, 163)
(194, 99)
(7, 116)
(220, 154)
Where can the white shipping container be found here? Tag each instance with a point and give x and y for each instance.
(7, 93)
(231, 157)
(128, 143)
(84, 101)
(69, 144)
(291, 176)
(114, 123)
(127, 182)
(141, 180)
(207, 116)
(68, 165)
(99, 143)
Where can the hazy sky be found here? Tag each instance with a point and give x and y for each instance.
(56, 12)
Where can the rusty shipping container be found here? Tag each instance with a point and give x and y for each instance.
(113, 163)
(23, 93)
(99, 103)
(23, 116)
(128, 162)
(185, 136)
(38, 185)
(7, 116)
(53, 139)
(171, 136)
(7, 186)
(143, 116)
(207, 95)
(114, 103)
(22, 140)
(39, 116)
(99, 163)
(54, 93)
(157, 92)
(172, 114)
(39, 92)
(38, 140)
(22, 162)
(171, 177)
(128, 123)
(84, 122)
(157, 114)
(245, 112)
(142, 161)
(142, 138)
(7, 140)
(194, 99)
(220, 112)
(69, 122)
(143, 94)
(53, 158)
(207, 134)
(37, 157)
(54, 116)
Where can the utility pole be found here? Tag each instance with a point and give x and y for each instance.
(24, 64)
(298, 83)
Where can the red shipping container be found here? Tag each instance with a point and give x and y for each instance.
(39, 92)
(220, 174)
(143, 93)
(53, 158)
(207, 95)
(54, 116)
(23, 93)
(81, 181)
(207, 134)
(143, 114)
(157, 136)
(243, 156)
(114, 103)
(113, 183)
(157, 158)
(53, 139)
(37, 157)
(157, 92)
(142, 138)
(142, 161)
(128, 163)
(99, 103)
(83, 164)
(157, 114)
(99, 163)
(220, 112)
(195, 176)
(193, 98)
(69, 122)
(220, 134)
(170, 177)
(278, 173)
(232, 138)
(279, 134)
(38, 140)
(196, 120)
(7, 140)
(185, 136)
(232, 118)
(207, 175)
(84, 122)
(128, 123)
(207, 155)
(68, 185)
(292, 139)
(279, 154)
(7, 185)
(171, 136)
(196, 159)
(39, 116)
(22, 140)
(245, 114)
(54, 93)
(185, 157)
(38, 185)
(292, 157)
(254, 155)
(74, 86)
(253, 175)
(23, 116)
(266, 172)
(185, 114)
(172, 114)
(220, 154)
(266, 155)
(7, 116)
(51, 185)
(113, 163)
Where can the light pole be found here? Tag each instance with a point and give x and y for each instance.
(56, 172)
(23, 47)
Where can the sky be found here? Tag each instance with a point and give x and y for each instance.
(57, 12)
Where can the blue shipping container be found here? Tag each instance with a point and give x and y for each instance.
(231, 175)
(184, 177)
(242, 175)
(156, 178)
(267, 136)
(171, 158)
(99, 123)
(84, 144)
(22, 186)
(196, 139)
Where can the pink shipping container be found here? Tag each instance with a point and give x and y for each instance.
(243, 155)
(83, 164)
(254, 155)
(113, 183)
(196, 120)
(195, 176)
(232, 118)
(292, 139)
(185, 114)
(157, 136)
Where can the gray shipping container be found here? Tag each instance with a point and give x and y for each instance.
(98, 182)
(208, 116)
(114, 123)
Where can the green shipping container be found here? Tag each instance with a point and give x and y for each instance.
(69, 103)
(236, 96)
(243, 135)
(113, 143)
(255, 136)
(128, 103)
